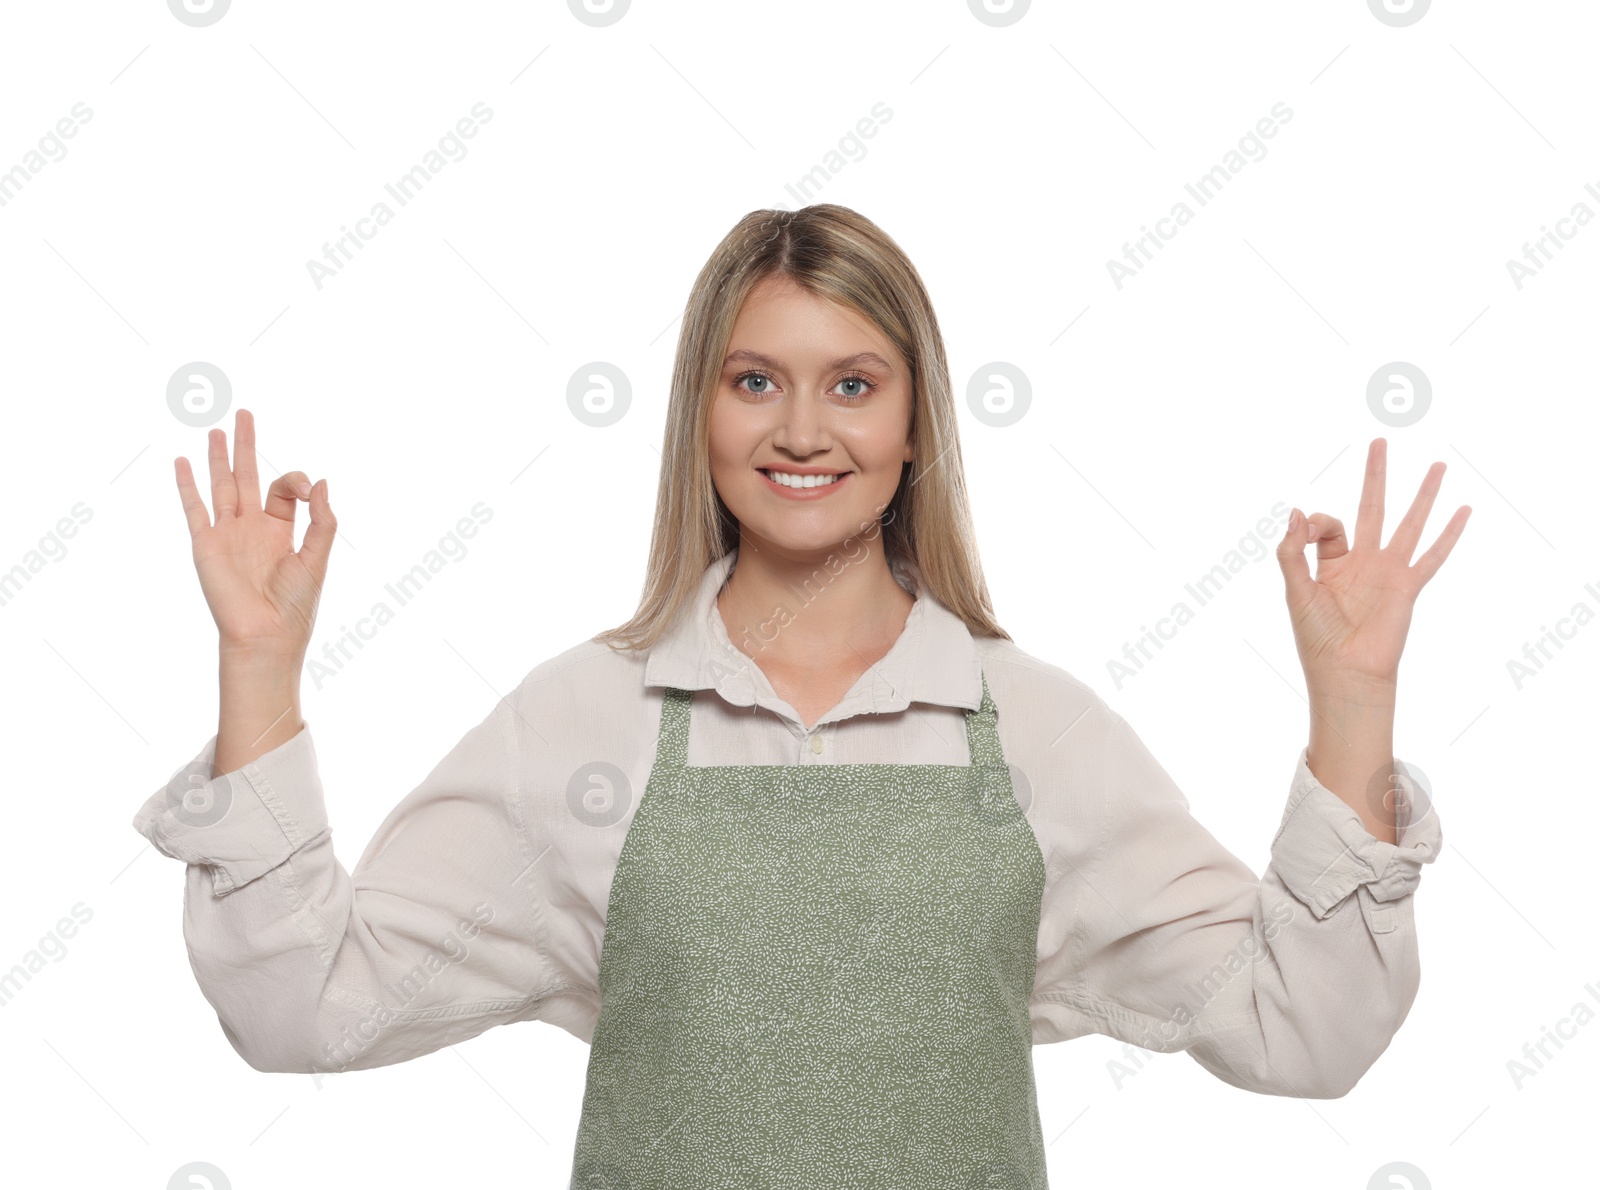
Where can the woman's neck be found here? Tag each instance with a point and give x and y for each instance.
(824, 612)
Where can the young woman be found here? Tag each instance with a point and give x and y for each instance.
(808, 850)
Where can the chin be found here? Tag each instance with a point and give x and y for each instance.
(796, 539)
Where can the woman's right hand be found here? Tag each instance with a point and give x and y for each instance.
(262, 592)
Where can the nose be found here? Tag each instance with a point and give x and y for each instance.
(802, 428)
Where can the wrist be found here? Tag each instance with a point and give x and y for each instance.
(256, 655)
(259, 688)
(1349, 689)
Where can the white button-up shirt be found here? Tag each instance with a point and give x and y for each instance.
(482, 898)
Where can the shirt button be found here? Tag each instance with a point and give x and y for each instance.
(816, 744)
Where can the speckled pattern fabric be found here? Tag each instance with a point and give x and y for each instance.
(817, 976)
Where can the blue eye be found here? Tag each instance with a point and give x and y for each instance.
(852, 378)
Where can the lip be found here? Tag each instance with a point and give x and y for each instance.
(816, 493)
(811, 470)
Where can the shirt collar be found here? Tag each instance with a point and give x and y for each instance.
(934, 660)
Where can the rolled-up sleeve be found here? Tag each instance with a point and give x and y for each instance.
(1290, 984)
(434, 938)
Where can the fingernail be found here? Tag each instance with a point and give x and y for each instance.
(304, 489)
(1294, 520)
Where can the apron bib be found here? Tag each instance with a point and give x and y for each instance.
(818, 976)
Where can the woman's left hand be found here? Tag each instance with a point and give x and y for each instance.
(1350, 621)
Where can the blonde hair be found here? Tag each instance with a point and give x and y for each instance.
(842, 256)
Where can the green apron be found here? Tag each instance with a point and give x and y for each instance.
(817, 977)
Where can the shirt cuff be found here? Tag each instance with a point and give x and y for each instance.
(239, 824)
(1323, 852)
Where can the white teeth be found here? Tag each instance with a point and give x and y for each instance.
(801, 481)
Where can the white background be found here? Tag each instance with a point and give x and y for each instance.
(1167, 417)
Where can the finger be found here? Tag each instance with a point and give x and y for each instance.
(318, 544)
(194, 508)
(245, 477)
(1429, 563)
(1328, 532)
(1369, 517)
(1409, 531)
(1292, 558)
(224, 497)
(284, 493)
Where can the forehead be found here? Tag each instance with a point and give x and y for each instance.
(781, 322)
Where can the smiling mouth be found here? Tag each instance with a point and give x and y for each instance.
(790, 480)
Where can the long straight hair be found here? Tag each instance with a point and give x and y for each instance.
(837, 254)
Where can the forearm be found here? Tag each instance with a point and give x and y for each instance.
(351, 979)
(1351, 750)
(1319, 1000)
(259, 706)
(310, 965)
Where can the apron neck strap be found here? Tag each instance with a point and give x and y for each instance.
(983, 737)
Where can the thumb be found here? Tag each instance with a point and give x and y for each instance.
(318, 543)
(1292, 558)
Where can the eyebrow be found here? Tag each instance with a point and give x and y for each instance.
(745, 355)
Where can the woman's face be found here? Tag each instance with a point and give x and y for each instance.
(808, 388)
